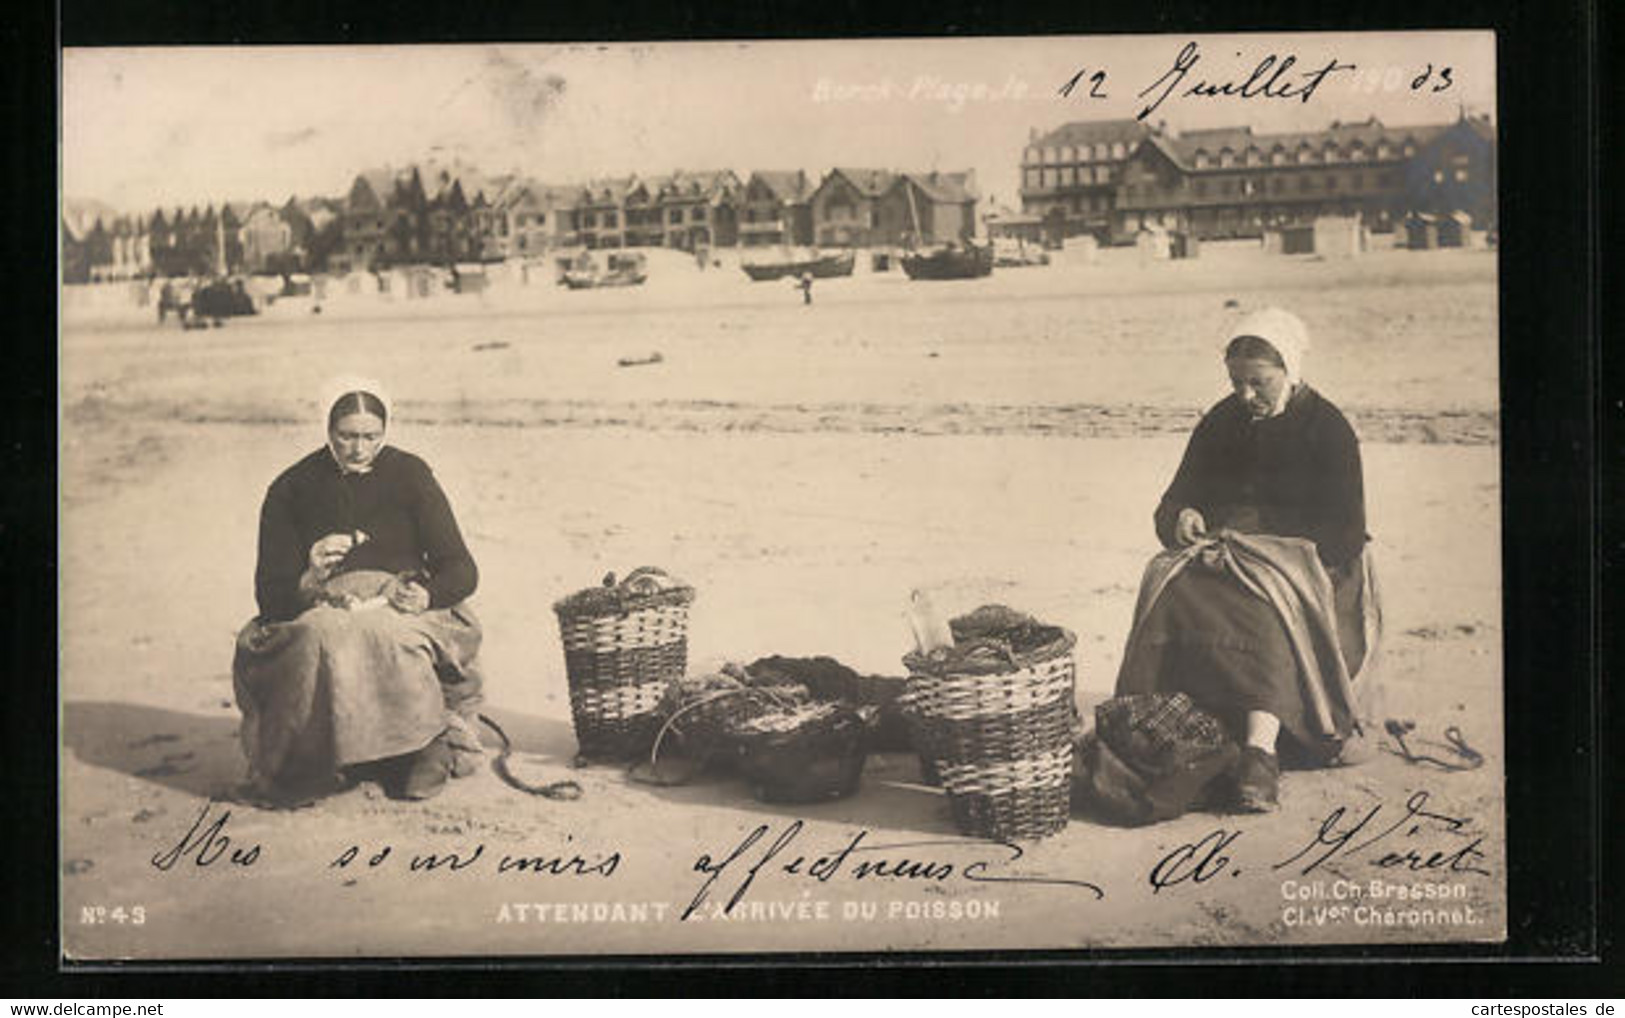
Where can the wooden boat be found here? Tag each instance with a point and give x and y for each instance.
(624, 269)
(817, 266)
(968, 261)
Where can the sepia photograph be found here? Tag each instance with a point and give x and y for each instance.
(854, 496)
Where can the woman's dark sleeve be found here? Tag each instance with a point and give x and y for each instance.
(452, 573)
(1338, 529)
(281, 560)
(1189, 486)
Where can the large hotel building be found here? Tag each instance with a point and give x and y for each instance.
(1112, 178)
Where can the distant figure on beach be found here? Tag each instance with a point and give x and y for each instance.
(1263, 609)
(361, 661)
(166, 300)
(805, 286)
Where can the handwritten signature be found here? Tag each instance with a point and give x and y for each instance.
(1341, 833)
(858, 860)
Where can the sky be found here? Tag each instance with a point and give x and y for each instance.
(150, 127)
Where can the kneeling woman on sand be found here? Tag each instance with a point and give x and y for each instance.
(361, 660)
(1262, 609)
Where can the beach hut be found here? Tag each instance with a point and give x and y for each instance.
(1421, 232)
(1455, 229)
(1084, 249)
(471, 279)
(1337, 236)
(1152, 243)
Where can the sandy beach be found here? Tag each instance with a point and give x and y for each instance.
(999, 440)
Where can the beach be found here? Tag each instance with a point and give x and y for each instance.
(804, 467)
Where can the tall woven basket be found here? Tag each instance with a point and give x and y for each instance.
(1001, 741)
(622, 644)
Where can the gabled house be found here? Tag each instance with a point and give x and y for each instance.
(1454, 171)
(698, 209)
(316, 230)
(601, 211)
(776, 208)
(267, 241)
(921, 209)
(383, 220)
(532, 218)
(844, 206)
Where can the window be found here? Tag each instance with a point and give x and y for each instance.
(1438, 176)
(1383, 150)
(589, 219)
(1461, 176)
(1201, 188)
(698, 215)
(1118, 150)
(1277, 185)
(1228, 187)
(1388, 179)
(1278, 157)
(1032, 155)
(1410, 150)
(1331, 182)
(1254, 158)
(1202, 161)
(1052, 155)
(610, 219)
(1034, 179)
(1226, 157)
(1306, 184)
(1359, 182)
(521, 242)
(1306, 155)
(1331, 154)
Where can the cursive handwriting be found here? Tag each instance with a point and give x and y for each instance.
(1340, 834)
(1197, 862)
(206, 845)
(857, 860)
(1269, 79)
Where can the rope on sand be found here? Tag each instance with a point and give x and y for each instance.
(566, 790)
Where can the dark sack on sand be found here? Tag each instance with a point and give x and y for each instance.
(1151, 756)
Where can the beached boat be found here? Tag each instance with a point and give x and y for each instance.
(967, 261)
(792, 267)
(623, 269)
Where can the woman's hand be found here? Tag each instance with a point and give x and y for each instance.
(408, 598)
(1190, 527)
(326, 554)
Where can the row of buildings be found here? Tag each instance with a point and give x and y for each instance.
(1109, 179)
(1113, 178)
(428, 213)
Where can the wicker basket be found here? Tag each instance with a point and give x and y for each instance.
(621, 646)
(811, 753)
(1001, 740)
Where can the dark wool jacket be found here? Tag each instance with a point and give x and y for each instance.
(398, 504)
(1294, 475)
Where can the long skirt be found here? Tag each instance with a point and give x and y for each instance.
(337, 687)
(1229, 650)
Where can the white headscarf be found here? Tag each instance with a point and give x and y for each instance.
(335, 389)
(1284, 331)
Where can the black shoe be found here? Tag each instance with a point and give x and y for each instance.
(422, 775)
(1258, 781)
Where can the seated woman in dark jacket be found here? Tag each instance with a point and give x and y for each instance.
(1236, 629)
(363, 650)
